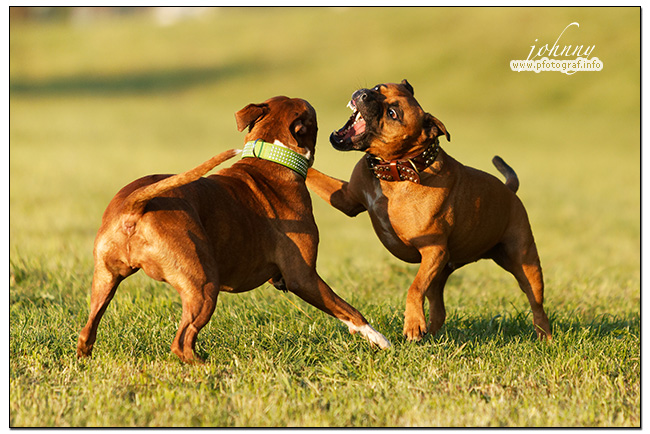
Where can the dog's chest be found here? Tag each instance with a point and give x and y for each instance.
(377, 206)
(396, 219)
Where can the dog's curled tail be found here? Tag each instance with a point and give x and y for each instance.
(512, 182)
(136, 201)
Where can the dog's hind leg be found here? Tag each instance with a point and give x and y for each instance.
(522, 261)
(198, 291)
(199, 298)
(105, 283)
(195, 276)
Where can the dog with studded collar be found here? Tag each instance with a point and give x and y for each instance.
(428, 208)
(231, 231)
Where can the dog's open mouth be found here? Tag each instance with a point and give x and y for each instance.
(353, 128)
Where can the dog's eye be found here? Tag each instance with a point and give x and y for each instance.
(392, 113)
(376, 88)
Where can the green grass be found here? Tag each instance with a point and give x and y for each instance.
(94, 107)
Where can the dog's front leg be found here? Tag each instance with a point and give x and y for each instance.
(301, 278)
(335, 192)
(350, 316)
(431, 276)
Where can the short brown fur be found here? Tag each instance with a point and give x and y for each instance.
(457, 215)
(230, 231)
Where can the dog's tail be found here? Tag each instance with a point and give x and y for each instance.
(512, 182)
(137, 200)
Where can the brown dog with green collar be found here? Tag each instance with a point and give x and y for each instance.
(231, 231)
(427, 207)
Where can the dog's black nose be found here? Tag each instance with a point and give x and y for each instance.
(360, 95)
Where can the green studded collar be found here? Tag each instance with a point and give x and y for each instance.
(278, 154)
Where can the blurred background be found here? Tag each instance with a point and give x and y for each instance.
(102, 96)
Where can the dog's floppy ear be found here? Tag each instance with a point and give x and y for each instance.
(250, 114)
(435, 128)
(408, 87)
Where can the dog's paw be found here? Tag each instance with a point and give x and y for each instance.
(188, 356)
(369, 332)
(375, 337)
(414, 329)
(82, 353)
(83, 349)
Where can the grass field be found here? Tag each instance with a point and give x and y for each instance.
(96, 105)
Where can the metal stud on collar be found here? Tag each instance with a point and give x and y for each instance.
(398, 170)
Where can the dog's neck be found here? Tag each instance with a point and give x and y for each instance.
(407, 169)
(277, 152)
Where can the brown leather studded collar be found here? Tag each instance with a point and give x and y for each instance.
(403, 170)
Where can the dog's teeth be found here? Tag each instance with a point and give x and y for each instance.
(350, 105)
(357, 116)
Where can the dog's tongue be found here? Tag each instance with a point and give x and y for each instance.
(357, 128)
(353, 127)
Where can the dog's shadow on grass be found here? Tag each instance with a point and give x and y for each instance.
(518, 327)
